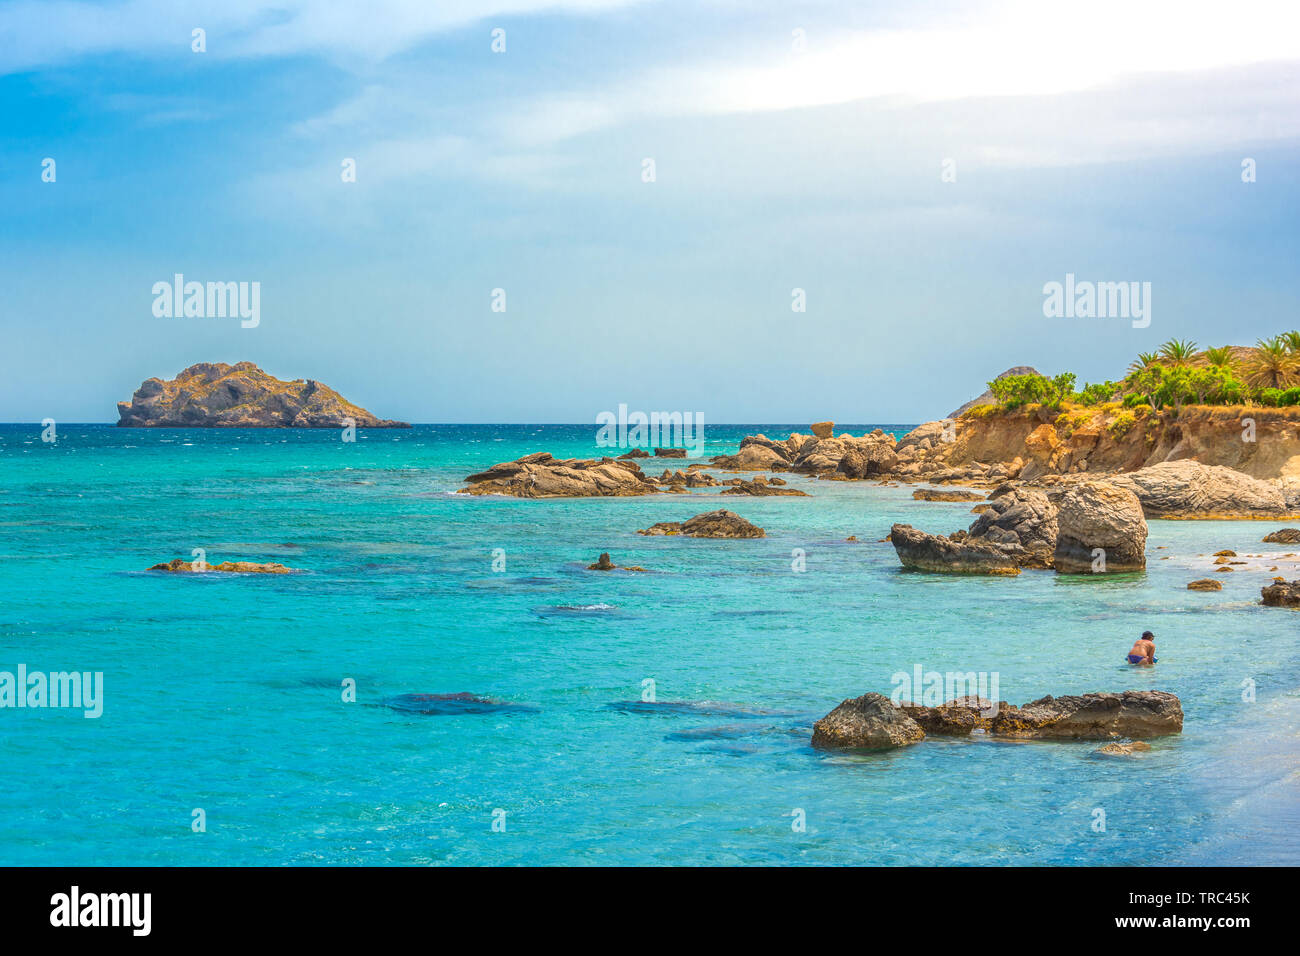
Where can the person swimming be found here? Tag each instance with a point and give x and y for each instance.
(1144, 649)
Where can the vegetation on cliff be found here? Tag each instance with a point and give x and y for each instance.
(1267, 375)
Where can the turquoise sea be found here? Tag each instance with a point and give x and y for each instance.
(224, 693)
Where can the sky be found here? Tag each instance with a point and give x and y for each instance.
(919, 170)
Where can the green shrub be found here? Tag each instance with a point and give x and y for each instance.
(1098, 393)
(1121, 425)
(1016, 391)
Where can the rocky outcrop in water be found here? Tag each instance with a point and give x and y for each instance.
(760, 487)
(946, 494)
(543, 476)
(1022, 521)
(846, 457)
(919, 551)
(606, 563)
(216, 395)
(874, 722)
(181, 566)
(1133, 713)
(1281, 594)
(1285, 536)
(1205, 584)
(713, 524)
(869, 722)
(1098, 516)
(1026, 528)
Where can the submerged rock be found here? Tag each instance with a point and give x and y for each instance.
(181, 566)
(543, 476)
(1125, 750)
(869, 722)
(1205, 584)
(920, 551)
(443, 705)
(1095, 515)
(217, 395)
(712, 524)
(1281, 594)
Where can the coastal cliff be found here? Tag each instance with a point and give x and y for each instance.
(216, 395)
(1259, 442)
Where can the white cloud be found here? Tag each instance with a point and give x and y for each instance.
(36, 33)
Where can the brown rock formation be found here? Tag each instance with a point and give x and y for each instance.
(1097, 515)
(1285, 536)
(920, 551)
(217, 395)
(1133, 713)
(823, 429)
(542, 476)
(181, 566)
(1281, 594)
(872, 721)
(760, 488)
(712, 524)
(945, 494)
(869, 722)
(1189, 489)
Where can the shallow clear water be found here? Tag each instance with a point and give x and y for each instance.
(224, 693)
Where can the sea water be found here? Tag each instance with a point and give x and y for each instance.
(660, 717)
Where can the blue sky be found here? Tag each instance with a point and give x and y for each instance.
(1103, 139)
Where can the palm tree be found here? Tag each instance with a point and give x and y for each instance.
(1178, 351)
(1144, 361)
(1273, 365)
(1292, 341)
(1220, 357)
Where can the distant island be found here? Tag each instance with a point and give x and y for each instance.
(216, 395)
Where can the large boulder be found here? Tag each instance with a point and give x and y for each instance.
(1188, 489)
(1285, 536)
(712, 524)
(920, 551)
(869, 722)
(542, 476)
(867, 460)
(1022, 517)
(1093, 515)
(1282, 594)
(823, 429)
(1133, 713)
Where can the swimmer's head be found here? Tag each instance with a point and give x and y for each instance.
(1148, 636)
